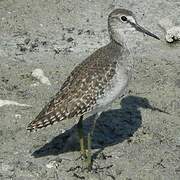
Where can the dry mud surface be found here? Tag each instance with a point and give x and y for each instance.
(131, 141)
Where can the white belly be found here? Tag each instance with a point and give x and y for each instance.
(117, 87)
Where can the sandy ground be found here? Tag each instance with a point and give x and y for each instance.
(131, 141)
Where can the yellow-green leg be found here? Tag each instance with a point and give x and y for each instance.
(89, 140)
(86, 151)
(89, 155)
(81, 137)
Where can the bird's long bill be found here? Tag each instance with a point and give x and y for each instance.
(141, 29)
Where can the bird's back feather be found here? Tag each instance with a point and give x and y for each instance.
(79, 93)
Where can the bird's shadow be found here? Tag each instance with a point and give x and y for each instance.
(112, 127)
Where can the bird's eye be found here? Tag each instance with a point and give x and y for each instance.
(123, 18)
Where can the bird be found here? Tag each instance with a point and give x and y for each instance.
(96, 82)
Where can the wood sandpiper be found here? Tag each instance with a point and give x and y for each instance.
(96, 82)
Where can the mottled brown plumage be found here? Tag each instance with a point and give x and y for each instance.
(79, 93)
(98, 80)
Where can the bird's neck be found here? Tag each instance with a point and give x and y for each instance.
(123, 54)
(117, 35)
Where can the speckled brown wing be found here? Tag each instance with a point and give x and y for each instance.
(79, 93)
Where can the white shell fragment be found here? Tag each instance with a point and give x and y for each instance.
(18, 116)
(39, 74)
(173, 34)
(52, 164)
(7, 102)
(172, 31)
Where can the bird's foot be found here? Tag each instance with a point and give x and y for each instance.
(86, 160)
(81, 157)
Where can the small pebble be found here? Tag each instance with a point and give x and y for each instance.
(27, 40)
(57, 49)
(70, 39)
(17, 116)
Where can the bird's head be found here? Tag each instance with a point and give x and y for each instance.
(122, 23)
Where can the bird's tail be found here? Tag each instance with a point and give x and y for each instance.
(45, 119)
